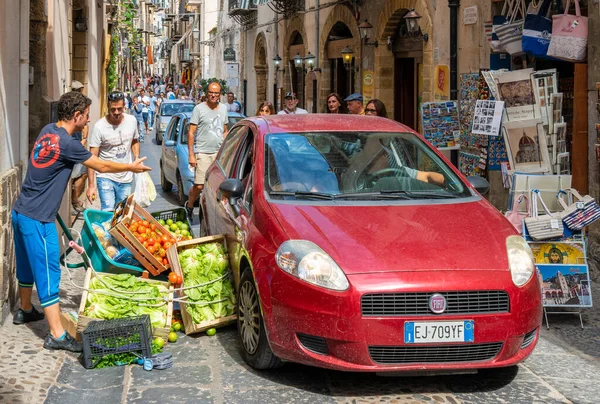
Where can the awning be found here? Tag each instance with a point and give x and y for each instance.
(174, 52)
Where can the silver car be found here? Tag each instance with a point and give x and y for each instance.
(167, 109)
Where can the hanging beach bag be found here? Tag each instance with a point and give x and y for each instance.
(497, 22)
(515, 217)
(546, 226)
(537, 31)
(569, 35)
(583, 212)
(511, 33)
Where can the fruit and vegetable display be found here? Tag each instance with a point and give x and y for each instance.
(111, 247)
(179, 230)
(124, 295)
(154, 239)
(207, 265)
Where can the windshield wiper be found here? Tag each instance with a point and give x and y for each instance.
(419, 194)
(303, 194)
(372, 195)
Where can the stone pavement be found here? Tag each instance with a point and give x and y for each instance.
(564, 367)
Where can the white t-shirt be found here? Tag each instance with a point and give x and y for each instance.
(114, 143)
(233, 107)
(143, 100)
(298, 111)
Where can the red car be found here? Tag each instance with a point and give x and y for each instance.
(356, 246)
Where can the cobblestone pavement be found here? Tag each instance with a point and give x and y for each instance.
(564, 367)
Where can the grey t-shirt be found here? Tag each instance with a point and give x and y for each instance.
(209, 133)
(114, 144)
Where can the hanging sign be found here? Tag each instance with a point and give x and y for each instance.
(470, 15)
(441, 90)
(367, 86)
(229, 55)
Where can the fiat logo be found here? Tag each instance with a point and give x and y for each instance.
(437, 303)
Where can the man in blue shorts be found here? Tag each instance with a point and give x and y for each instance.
(54, 155)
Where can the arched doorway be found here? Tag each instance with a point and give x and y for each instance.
(342, 80)
(404, 67)
(297, 76)
(261, 68)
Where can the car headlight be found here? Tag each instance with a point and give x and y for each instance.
(305, 260)
(520, 260)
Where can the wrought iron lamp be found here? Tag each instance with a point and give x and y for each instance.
(365, 29)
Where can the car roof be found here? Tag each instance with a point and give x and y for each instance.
(236, 114)
(326, 123)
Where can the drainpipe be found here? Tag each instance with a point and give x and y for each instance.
(454, 6)
(314, 83)
(275, 53)
(24, 83)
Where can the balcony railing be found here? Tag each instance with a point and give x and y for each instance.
(242, 7)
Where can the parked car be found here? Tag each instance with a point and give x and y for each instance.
(174, 164)
(167, 109)
(234, 117)
(355, 245)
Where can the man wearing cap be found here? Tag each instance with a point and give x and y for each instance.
(290, 106)
(355, 104)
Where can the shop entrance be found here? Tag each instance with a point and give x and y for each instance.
(341, 79)
(297, 76)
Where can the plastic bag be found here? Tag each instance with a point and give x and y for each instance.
(145, 192)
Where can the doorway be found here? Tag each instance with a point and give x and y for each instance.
(405, 94)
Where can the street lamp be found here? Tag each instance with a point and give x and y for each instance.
(277, 62)
(347, 56)
(365, 29)
(195, 33)
(310, 61)
(298, 61)
(412, 21)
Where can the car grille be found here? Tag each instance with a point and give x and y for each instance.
(529, 338)
(313, 343)
(434, 354)
(417, 304)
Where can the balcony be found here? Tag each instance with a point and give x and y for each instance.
(184, 55)
(242, 7)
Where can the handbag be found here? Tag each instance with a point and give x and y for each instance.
(583, 212)
(515, 217)
(537, 31)
(511, 33)
(569, 35)
(497, 22)
(546, 226)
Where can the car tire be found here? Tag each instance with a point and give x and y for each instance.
(251, 330)
(164, 183)
(158, 140)
(181, 197)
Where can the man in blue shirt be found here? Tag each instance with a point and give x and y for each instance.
(54, 155)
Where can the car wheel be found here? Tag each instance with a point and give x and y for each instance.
(255, 345)
(164, 183)
(158, 138)
(181, 198)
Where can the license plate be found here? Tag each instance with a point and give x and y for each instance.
(424, 332)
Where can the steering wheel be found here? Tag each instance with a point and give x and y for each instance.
(372, 177)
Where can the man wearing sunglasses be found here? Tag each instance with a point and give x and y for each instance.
(208, 128)
(55, 153)
(114, 138)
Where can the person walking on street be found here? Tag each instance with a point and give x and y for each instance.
(335, 104)
(151, 109)
(291, 107)
(114, 138)
(37, 249)
(208, 128)
(144, 100)
(265, 108)
(355, 104)
(232, 106)
(136, 111)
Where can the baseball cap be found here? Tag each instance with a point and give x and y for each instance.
(290, 95)
(354, 97)
(76, 85)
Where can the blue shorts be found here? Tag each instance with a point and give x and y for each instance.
(37, 253)
(112, 192)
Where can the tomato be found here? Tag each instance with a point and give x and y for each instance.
(151, 241)
(173, 278)
(165, 262)
(165, 239)
(140, 239)
(141, 229)
(153, 227)
(133, 228)
(148, 231)
(162, 252)
(179, 279)
(172, 241)
(167, 245)
(151, 249)
(144, 236)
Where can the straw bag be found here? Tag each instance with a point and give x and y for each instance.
(543, 227)
(580, 214)
(515, 217)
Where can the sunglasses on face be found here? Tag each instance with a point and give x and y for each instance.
(370, 111)
(116, 96)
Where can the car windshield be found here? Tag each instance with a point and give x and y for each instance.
(356, 165)
(234, 119)
(175, 108)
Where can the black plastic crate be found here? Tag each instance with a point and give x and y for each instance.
(110, 337)
(176, 215)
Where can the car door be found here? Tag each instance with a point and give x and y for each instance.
(217, 173)
(169, 160)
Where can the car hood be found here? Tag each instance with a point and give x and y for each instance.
(369, 239)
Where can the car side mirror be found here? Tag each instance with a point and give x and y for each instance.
(233, 190)
(169, 143)
(480, 184)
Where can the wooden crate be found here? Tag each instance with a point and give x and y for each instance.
(131, 212)
(173, 257)
(83, 321)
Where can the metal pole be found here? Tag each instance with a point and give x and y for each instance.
(454, 6)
